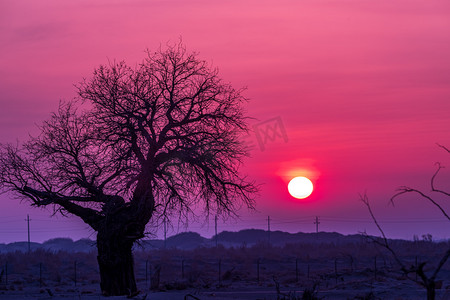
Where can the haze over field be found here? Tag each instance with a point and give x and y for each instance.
(352, 94)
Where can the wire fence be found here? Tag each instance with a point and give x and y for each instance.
(182, 273)
(174, 269)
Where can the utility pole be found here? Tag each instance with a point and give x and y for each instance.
(28, 225)
(165, 233)
(317, 224)
(215, 221)
(268, 228)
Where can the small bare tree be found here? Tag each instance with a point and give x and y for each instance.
(425, 279)
(137, 143)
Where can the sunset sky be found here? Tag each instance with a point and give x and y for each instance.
(361, 89)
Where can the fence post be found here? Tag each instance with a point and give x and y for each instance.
(6, 272)
(150, 273)
(308, 270)
(75, 272)
(257, 270)
(296, 270)
(220, 275)
(416, 268)
(335, 270)
(351, 264)
(155, 277)
(40, 275)
(146, 272)
(375, 268)
(182, 268)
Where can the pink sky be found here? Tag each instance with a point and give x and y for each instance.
(362, 89)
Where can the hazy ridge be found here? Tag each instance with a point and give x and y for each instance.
(193, 240)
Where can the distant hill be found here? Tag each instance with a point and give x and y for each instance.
(192, 240)
(251, 237)
(54, 245)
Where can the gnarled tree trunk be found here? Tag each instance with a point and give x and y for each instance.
(122, 225)
(116, 265)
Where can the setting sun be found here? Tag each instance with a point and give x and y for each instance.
(300, 187)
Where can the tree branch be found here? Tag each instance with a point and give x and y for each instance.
(433, 178)
(405, 190)
(88, 215)
(385, 242)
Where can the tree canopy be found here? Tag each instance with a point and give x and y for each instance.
(171, 119)
(157, 138)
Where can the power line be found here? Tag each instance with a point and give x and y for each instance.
(242, 224)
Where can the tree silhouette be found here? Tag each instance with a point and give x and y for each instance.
(135, 144)
(426, 279)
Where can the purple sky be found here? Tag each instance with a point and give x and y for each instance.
(362, 89)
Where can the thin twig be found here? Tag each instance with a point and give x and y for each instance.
(406, 189)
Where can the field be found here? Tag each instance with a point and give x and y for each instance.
(347, 270)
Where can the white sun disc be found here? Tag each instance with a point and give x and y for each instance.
(300, 187)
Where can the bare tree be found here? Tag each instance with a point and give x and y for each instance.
(426, 279)
(137, 143)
